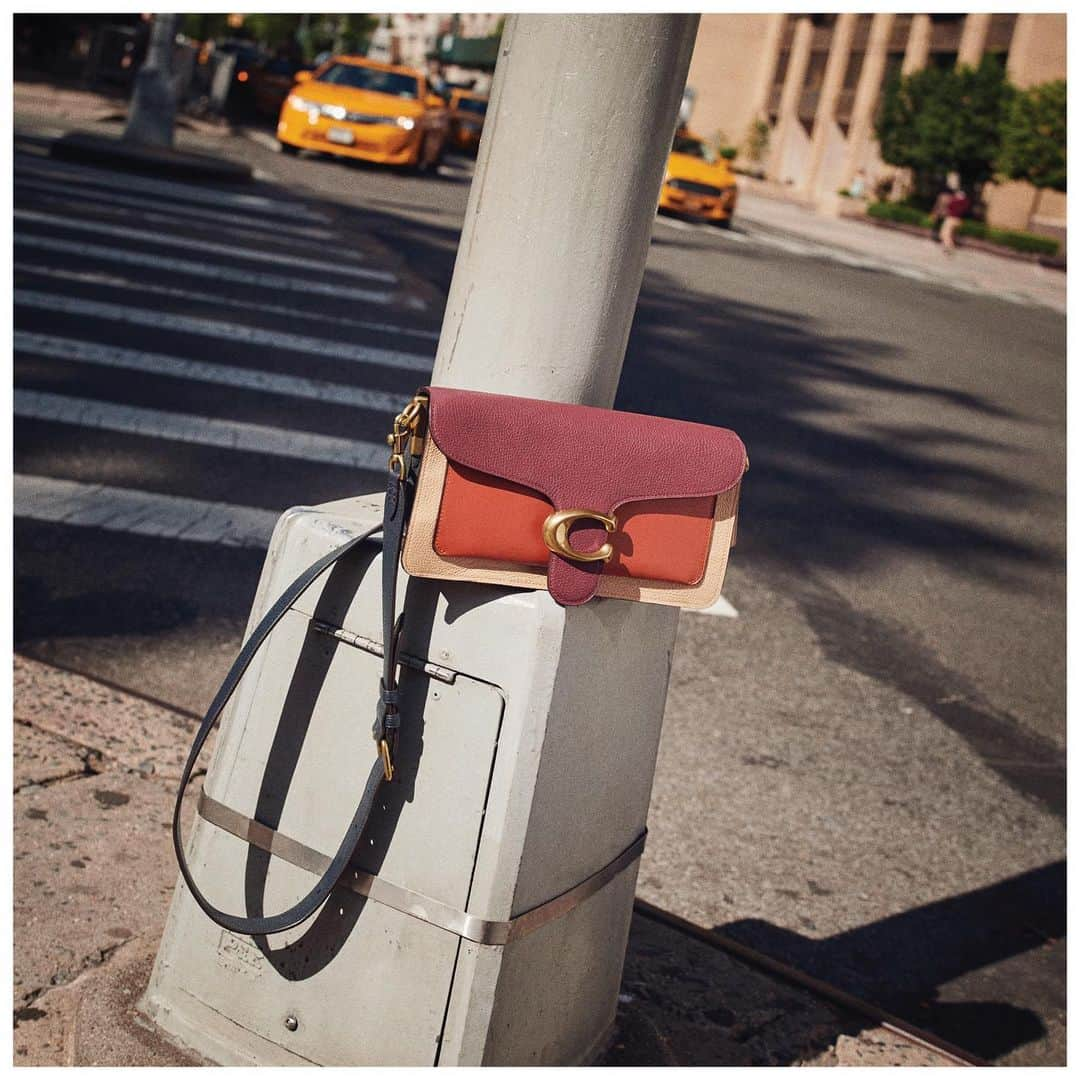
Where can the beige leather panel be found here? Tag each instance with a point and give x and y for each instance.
(420, 558)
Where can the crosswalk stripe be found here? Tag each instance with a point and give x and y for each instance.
(264, 139)
(178, 216)
(251, 335)
(43, 498)
(152, 363)
(82, 174)
(202, 430)
(190, 244)
(204, 270)
(113, 281)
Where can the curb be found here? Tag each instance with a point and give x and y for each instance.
(161, 161)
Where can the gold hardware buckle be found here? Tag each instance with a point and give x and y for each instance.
(406, 424)
(387, 764)
(556, 528)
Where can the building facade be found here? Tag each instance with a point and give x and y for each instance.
(410, 38)
(811, 85)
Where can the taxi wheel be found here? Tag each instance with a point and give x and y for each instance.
(288, 148)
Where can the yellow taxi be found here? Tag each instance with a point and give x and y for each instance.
(698, 182)
(467, 112)
(360, 108)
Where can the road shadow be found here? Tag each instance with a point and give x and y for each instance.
(903, 962)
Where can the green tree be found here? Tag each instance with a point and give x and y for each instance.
(1033, 137)
(337, 32)
(940, 120)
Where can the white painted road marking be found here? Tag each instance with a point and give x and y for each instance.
(204, 270)
(178, 216)
(86, 352)
(114, 281)
(722, 608)
(202, 430)
(259, 204)
(264, 140)
(225, 331)
(190, 244)
(145, 513)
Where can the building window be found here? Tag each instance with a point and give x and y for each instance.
(781, 67)
(894, 62)
(854, 69)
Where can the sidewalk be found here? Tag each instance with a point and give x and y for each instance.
(903, 253)
(95, 771)
(68, 107)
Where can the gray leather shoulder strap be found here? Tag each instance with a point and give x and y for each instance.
(387, 723)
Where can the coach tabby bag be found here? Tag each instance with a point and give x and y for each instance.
(513, 491)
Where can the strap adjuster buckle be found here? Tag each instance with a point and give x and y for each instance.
(387, 764)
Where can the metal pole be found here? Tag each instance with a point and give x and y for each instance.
(582, 115)
(153, 104)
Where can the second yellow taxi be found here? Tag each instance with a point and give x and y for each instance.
(698, 182)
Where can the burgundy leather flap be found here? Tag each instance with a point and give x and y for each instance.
(581, 457)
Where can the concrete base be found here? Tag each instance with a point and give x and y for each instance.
(525, 766)
(90, 149)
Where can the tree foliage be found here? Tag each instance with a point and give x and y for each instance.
(318, 33)
(938, 120)
(1033, 136)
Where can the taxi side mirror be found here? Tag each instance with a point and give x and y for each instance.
(303, 76)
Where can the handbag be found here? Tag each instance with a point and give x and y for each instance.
(582, 501)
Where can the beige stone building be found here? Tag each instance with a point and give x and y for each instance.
(814, 81)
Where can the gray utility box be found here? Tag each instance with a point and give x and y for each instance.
(528, 745)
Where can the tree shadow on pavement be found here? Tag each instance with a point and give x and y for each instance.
(826, 489)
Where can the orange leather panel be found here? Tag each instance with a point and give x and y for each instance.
(484, 517)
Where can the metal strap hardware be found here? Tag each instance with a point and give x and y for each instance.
(471, 927)
(369, 645)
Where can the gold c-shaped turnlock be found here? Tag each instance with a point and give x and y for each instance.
(556, 534)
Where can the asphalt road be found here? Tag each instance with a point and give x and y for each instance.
(863, 773)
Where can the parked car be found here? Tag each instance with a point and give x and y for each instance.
(239, 100)
(467, 112)
(698, 183)
(272, 81)
(361, 108)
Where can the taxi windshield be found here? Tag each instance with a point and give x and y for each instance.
(687, 144)
(364, 78)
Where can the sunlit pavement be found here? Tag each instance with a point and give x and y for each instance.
(863, 773)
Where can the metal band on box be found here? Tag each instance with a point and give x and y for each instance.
(472, 927)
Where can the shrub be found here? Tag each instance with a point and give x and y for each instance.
(1018, 241)
(906, 215)
(757, 141)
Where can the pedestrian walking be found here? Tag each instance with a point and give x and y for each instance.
(952, 206)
